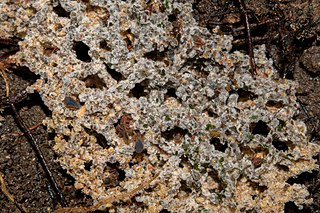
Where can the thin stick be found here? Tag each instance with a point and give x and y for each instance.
(108, 200)
(251, 54)
(7, 101)
(34, 144)
(4, 75)
(9, 196)
(19, 134)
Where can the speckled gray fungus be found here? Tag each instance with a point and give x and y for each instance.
(221, 139)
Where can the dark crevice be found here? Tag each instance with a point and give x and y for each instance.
(177, 134)
(164, 211)
(49, 49)
(211, 113)
(128, 38)
(283, 167)
(260, 128)
(218, 145)
(198, 65)
(94, 81)
(114, 74)
(172, 17)
(139, 89)
(290, 207)
(245, 95)
(116, 167)
(101, 140)
(171, 92)
(105, 45)
(60, 11)
(82, 51)
(24, 73)
(157, 55)
(215, 176)
(32, 100)
(302, 178)
(185, 187)
(280, 145)
(256, 186)
(273, 103)
(88, 165)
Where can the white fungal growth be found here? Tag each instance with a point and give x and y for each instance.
(222, 139)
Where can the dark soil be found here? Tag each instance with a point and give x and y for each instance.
(291, 32)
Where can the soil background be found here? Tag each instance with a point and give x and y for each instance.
(289, 29)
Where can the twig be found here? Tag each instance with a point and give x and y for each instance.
(36, 149)
(7, 101)
(108, 200)
(3, 69)
(9, 196)
(251, 54)
(19, 134)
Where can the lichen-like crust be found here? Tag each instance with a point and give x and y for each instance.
(222, 139)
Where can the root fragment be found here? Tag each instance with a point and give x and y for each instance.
(108, 200)
(3, 69)
(8, 195)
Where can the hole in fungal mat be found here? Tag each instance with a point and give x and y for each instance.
(211, 113)
(115, 167)
(282, 167)
(82, 51)
(302, 178)
(218, 145)
(280, 145)
(88, 165)
(221, 184)
(101, 140)
(49, 49)
(260, 128)
(171, 92)
(245, 95)
(94, 81)
(24, 73)
(198, 65)
(256, 186)
(177, 134)
(184, 162)
(105, 45)
(290, 207)
(185, 187)
(128, 38)
(60, 11)
(156, 55)
(139, 89)
(9, 46)
(274, 104)
(164, 211)
(114, 74)
(251, 210)
(172, 17)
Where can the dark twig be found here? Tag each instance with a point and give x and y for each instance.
(36, 149)
(251, 54)
(7, 101)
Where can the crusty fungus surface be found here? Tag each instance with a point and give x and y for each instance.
(115, 72)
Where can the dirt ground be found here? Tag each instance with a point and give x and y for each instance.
(291, 32)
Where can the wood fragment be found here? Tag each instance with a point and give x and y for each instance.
(19, 134)
(251, 54)
(34, 144)
(108, 200)
(3, 72)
